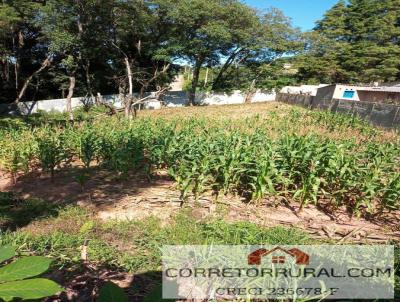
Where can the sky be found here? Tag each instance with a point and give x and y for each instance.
(304, 13)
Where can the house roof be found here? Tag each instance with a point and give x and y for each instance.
(394, 89)
(301, 257)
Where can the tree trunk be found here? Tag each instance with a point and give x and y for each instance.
(72, 81)
(46, 63)
(251, 92)
(16, 60)
(224, 68)
(206, 78)
(195, 80)
(143, 91)
(16, 71)
(88, 80)
(101, 102)
(34, 98)
(21, 43)
(128, 101)
(5, 70)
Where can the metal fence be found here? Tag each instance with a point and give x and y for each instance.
(379, 114)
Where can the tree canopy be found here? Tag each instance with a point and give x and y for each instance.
(357, 41)
(53, 49)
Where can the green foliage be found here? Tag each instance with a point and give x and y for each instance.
(121, 150)
(16, 212)
(109, 241)
(228, 158)
(52, 149)
(324, 159)
(6, 252)
(88, 146)
(111, 293)
(16, 277)
(143, 238)
(203, 32)
(16, 151)
(156, 295)
(356, 41)
(24, 268)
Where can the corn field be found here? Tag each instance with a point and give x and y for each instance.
(302, 156)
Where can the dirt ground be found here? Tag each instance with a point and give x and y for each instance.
(109, 197)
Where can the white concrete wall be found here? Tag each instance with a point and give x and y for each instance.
(236, 97)
(303, 89)
(60, 105)
(171, 99)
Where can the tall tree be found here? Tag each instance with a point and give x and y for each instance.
(374, 54)
(61, 25)
(206, 31)
(23, 49)
(357, 42)
(259, 66)
(137, 37)
(334, 23)
(325, 47)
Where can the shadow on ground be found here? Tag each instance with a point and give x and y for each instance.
(83, 282)
(16, 212)
(100, 187)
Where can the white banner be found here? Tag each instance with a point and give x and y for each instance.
(271, 272)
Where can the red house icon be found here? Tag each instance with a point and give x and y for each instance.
(301, 258)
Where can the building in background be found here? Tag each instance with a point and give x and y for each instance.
(303, 89)
(382, 94)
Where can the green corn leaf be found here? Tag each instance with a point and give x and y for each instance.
(110, 292)
(29, 289)
(6, 252)
(24, 268)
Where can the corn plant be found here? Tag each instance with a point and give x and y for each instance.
(121, 150)
(182, 176)
(88, 146)
(52, 149)
(391, 194)
(256, 157)
(228, 162)
(16, 152)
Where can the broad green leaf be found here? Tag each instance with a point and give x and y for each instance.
(156, 294)
(110, 292)
(29, 289)
(6, 252)
(24, 268)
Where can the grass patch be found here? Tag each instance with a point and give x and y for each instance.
(16, 212)
(134, 246)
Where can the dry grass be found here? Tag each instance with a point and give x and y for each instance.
(239, 111)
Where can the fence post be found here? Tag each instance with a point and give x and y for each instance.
(395, 117)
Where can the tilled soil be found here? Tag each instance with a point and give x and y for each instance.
(137, 197)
